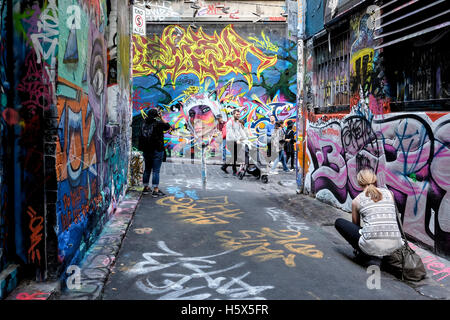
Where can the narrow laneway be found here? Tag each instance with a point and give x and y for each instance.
(233, 241)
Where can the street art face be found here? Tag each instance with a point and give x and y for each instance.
(201, 115)
(195, 75)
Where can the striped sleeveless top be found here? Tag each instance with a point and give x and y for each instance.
(380, 234)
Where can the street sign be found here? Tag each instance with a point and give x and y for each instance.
(139, 21)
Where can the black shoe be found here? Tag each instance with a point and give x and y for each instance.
(224, 169)
(146, 190)
(157, 193)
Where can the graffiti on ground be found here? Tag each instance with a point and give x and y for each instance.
(209, 210)
(269, 244)
(177, 285)
(291, 223)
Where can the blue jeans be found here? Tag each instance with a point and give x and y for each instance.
(224, 150)
(153, 161)
(282, 157)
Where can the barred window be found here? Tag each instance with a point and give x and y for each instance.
(332, 70)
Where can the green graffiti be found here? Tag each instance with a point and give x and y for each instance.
(18, 23)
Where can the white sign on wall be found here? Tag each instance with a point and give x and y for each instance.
(139, 21)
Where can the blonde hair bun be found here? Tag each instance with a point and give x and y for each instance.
(368, 179)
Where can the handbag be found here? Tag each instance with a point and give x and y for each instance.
(404, 262)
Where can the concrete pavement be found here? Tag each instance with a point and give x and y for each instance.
(243, 240)
(233, 239)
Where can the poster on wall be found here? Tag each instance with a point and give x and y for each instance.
(138, 21)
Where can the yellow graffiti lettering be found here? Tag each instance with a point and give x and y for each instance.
(269, 244)
(265, 43)
(212, 210)
(179, 52)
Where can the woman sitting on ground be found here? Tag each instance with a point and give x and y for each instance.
(380, 234)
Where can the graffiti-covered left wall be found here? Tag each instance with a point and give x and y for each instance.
(4, 91)
(65, 119)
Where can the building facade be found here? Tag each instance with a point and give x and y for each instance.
(65, 130)
(376, 93)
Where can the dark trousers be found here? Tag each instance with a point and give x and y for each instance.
(291, 156)
(349, 231)
(234, 154)
(153, 160)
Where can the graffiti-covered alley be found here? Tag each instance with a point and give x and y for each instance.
(358, 84)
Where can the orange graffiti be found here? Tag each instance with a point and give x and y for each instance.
(82, 152)
(180, 51)
(36, 226)
(435, 115)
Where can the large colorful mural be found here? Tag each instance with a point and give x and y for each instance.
(93, 120)
(409, 151)
(196, 74)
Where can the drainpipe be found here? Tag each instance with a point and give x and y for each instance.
(301, 105)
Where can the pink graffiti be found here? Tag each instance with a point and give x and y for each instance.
(11, 116)
(432, 263)
(410, 153)
(34, 296)
(35, 86)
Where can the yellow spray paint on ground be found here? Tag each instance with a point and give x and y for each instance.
(269, 244)
(210, 210)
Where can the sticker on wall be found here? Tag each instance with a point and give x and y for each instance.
(138, 21)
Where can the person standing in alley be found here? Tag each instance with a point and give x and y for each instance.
(289, 145)
(151, 142)
(235, 135)
(278, 141)
(221, 128)
(269, 130)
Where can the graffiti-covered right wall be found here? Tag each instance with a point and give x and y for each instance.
(372, 104)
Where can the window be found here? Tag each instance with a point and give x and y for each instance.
(415, 48)
(418, 73)
(332, 71)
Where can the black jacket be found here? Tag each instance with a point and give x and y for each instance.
(156, 141)
(289, 146)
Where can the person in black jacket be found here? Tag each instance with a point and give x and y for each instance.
(290, 141)
(152, 144)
